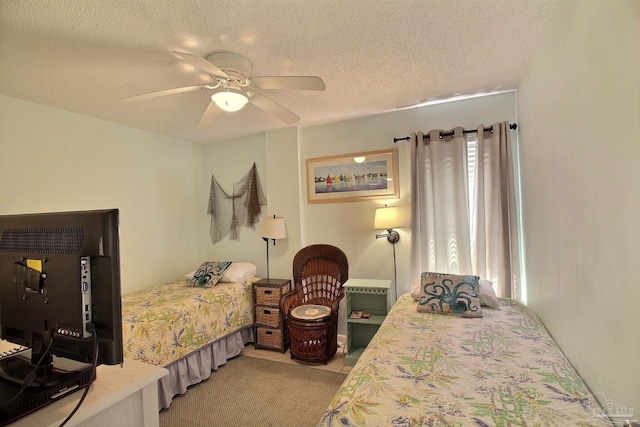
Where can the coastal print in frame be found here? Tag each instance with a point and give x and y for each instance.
(353, 177)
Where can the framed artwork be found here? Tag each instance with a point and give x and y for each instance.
(353, 177)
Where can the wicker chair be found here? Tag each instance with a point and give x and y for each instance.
(311, 310)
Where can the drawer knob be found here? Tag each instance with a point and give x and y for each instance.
(266, 311)
(268, 291)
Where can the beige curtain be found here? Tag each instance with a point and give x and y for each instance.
(440, 233)
(452, 234)
(494, 229)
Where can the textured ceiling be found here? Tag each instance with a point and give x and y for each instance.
(374, 55)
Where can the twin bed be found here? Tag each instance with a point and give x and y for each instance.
(191, 331)
(430, 369)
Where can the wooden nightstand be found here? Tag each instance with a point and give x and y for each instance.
(269, 329)
(367, 295)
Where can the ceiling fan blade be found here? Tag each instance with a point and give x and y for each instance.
(200, 62)
(161, 93)
(210, 116)
(272, 107)
(289, 82)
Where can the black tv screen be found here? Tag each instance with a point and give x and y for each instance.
(60, 284)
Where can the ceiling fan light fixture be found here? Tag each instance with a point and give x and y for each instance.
(229, 100)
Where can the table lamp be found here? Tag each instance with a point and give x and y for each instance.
(272, 228)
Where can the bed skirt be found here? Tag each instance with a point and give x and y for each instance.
(198, 365)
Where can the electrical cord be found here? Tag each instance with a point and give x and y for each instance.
(32, 376)
(91, 328)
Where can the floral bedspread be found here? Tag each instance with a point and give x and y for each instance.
(425, 369)
(166, 322)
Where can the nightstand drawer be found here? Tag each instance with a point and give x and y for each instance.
(268, 316)
(270, 295)
(268, 337)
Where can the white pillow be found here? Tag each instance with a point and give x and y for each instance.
(415, 290)
(487, 294)
(238, 272)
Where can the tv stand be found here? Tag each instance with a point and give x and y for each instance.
(120, 395)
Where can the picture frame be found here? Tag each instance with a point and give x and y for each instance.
(353, 177)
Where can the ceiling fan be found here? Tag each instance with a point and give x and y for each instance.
(232, 87)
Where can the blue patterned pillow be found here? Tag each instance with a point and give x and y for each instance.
(208, 274)
(450, 294)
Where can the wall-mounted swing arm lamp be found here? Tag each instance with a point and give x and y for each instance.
(274, 229)
(388, 218)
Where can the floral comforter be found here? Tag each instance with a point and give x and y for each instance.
(166, 322)
(425, 369)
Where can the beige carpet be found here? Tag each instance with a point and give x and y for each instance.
(248, 391)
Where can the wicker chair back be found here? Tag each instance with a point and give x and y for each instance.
(319, 271)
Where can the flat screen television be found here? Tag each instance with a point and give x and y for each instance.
(60, 292)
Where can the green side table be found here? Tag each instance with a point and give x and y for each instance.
(364, 295)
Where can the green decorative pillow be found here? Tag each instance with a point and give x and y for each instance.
(450, 294)
(208, 274)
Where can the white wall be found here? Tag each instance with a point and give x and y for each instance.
(229, 162)
(53, 160)
(579, 115)
(283, 196)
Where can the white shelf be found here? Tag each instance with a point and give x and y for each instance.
(375, 319)
(126, 395)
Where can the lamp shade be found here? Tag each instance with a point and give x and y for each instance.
(387, 218)
(229, 100)
(273, 228)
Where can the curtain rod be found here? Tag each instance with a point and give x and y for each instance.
(512, 126)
